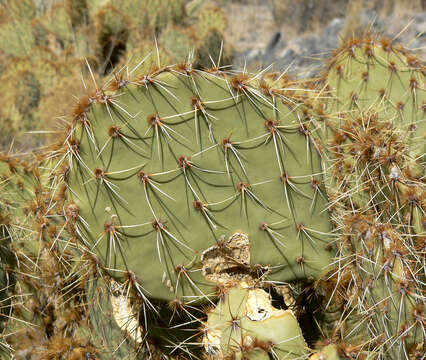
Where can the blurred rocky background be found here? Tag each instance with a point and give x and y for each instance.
(47, 46)
(298, 34)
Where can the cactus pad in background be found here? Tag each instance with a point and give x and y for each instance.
(69, 31)
(159, 13)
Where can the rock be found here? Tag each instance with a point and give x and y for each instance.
(305, 54)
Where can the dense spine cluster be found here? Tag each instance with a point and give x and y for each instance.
(373, 125)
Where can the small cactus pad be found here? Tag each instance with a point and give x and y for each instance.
(245, 324)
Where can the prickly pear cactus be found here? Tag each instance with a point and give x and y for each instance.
(22, 199)
(181, 212)
(244, 324)
(166, 164)
(373, 127)
(44, 303)
(375, 75)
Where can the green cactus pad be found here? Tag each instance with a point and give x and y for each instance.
(373, 123)
(170, 162)
(245, 324)
(371, 74)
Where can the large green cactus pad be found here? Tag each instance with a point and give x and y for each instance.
(373, 124)
(164, 166)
